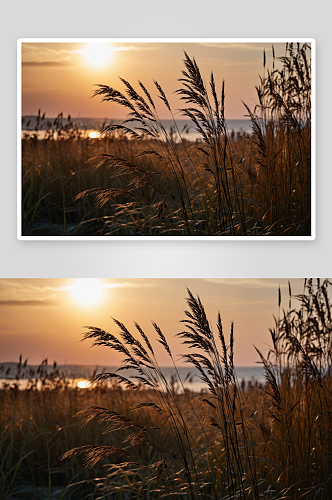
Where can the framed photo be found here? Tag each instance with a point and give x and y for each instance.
(166, 139)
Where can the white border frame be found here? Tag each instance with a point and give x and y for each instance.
(312, 41)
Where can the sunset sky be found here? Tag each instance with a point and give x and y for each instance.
(60, 77)
(45, 317)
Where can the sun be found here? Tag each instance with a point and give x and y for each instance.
(87, 290)
(97, 53)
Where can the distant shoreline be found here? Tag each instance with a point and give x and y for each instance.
(84, 118)
(30, 122)
(11, 370)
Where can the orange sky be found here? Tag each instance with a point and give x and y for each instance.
(44, 317)
(60, 77)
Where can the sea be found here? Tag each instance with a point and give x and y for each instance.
(90, 127)
(247, 375)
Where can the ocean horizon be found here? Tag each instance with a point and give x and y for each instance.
(31, 124)
(9, 373)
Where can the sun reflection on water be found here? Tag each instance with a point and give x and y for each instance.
(94, 135)
(83, 384)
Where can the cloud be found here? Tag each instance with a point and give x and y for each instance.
(31, 294)
(56, 289)
(50, 64)
(238, 45)
(27, 303)
(252, 282)
(63, 57)
(114, 48)
(127, 285)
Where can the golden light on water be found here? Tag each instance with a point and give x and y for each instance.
(84, 384)
(94, 135)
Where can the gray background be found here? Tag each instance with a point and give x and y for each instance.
(158, 18)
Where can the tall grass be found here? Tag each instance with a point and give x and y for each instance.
(272, 442)
(162, 184)
(213, 190)
(36, 425)
(53, 170)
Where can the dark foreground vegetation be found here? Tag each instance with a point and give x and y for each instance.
(147, 181)
(149, 441)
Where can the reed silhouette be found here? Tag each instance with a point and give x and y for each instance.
(269, 442)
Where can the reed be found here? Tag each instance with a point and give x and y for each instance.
(269, 442)
(36, 425)
(161, 184)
